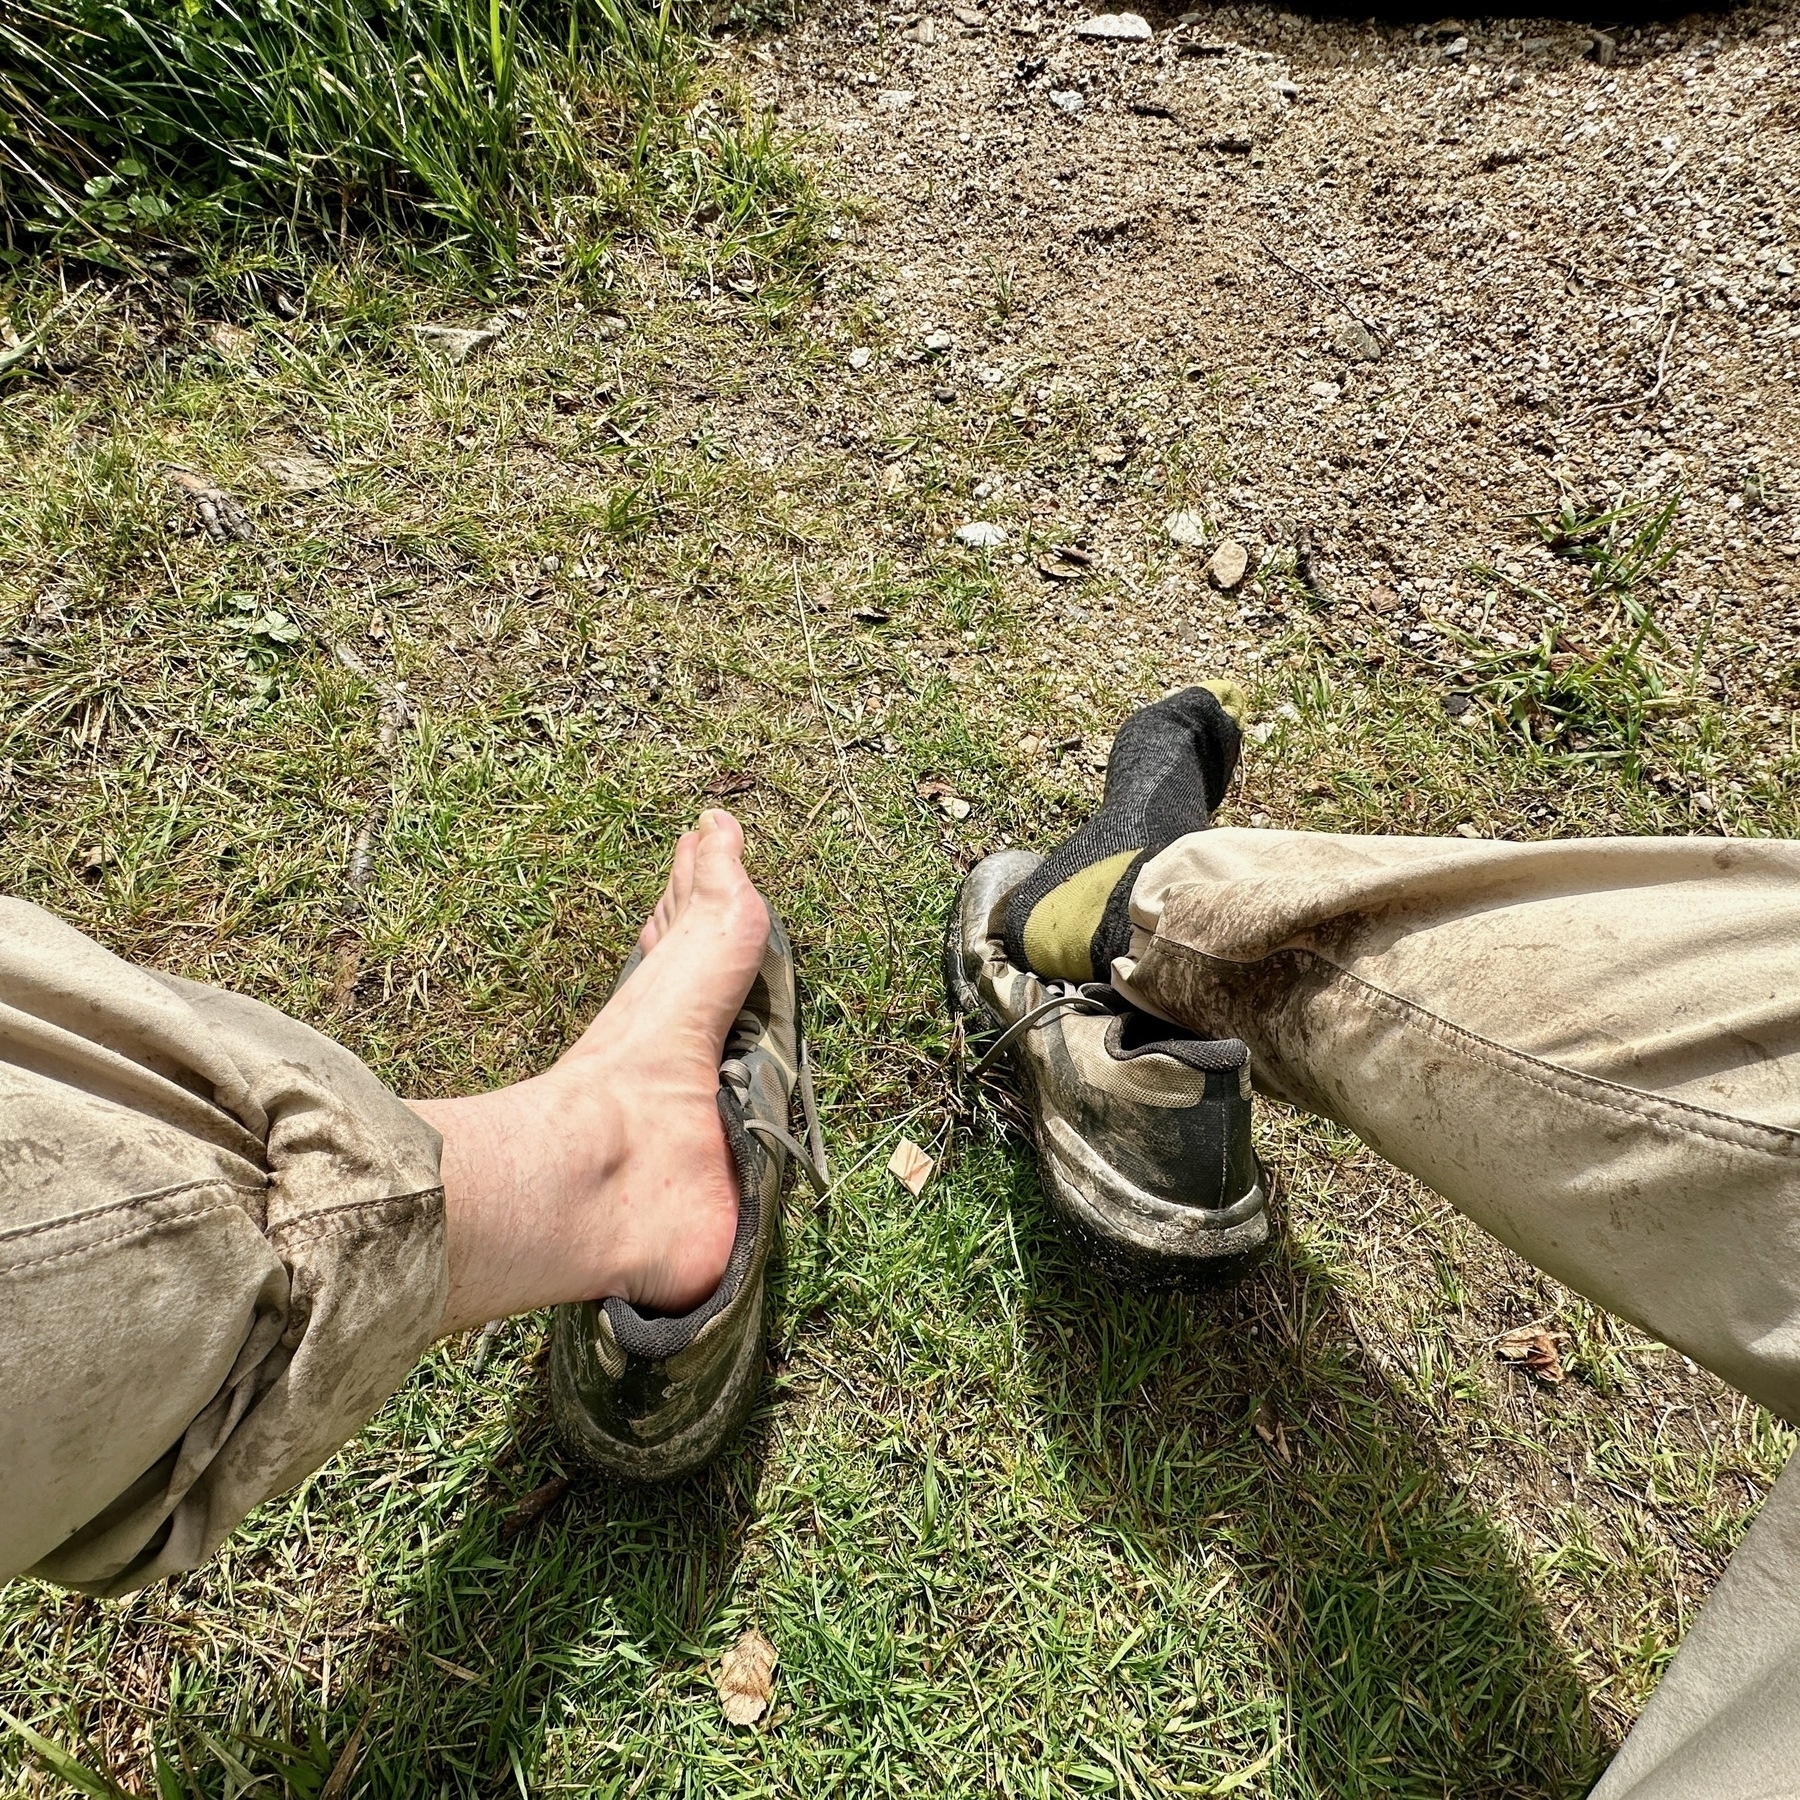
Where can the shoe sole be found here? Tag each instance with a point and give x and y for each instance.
(1129, 1235)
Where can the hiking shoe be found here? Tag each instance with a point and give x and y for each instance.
(1142, 1128)
(652, 1396)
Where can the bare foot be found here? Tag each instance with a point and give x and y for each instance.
(608, 1174)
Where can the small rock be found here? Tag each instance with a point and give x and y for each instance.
(967, 15)
(1189, 529)
(980, 535)
(1356, 342)
(1125, 27)
(1228, 564)
(1287, 90)
(1456, 704)
(1110, 456)
(1466, 830)
(1025, 28)
(944, 395)
(937, 341)
(299, 473)
(1069, 99)
(859, 357)
(895, 99)
(1604, 50)
(455, 342)
(1328, 391)
(1231, 144)
(922, 33)
(1456, 49)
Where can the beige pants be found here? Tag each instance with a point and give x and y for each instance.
(1592, 1049)
(221, 1249)
(221, 1238)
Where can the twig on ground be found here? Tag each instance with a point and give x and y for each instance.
(396, 711)
(1662, 373)
(1330, 293)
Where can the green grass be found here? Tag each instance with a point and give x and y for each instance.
(487, 139)
(1009, 1531)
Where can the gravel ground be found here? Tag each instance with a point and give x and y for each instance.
(1384, 289)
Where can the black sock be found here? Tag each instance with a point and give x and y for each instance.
(1169, 768)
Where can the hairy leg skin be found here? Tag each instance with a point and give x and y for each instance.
(608, 1174)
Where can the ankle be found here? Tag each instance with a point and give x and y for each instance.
(527, 1171)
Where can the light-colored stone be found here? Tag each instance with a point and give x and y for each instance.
(859, 357)
(938, 341)
(1228, 565)
(895, 99)
(1069, 99)
(454, 342)
(1122, 27)
(922, 33)
(1356, 342)
(1188, 529)
(980, 535)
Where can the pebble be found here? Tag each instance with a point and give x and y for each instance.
(967, 15)
(980, 535)
(1356, 341)
(1125, 27)
(1187, 529)
(1328, 391)
(1228, 564)
(859, 357)
(895, 99)
(453, 341)
(1457, 47)
(1067, 98)
(922, 33)
(937, 340)
(1287, 90)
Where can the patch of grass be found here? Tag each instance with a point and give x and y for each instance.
(1010, 1531)
(252, 150)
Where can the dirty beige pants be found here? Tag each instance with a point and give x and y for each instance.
(221, 1248)
(1593, 1050)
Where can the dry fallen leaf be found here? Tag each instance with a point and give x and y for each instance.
(910, 1166)
(1535, 1349)
(1268, 1426)
(232, 342)
(219, 512)
(729, 783)
(745, 1678)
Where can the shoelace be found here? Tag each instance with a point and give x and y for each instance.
(1069, 997)
(810, 1155)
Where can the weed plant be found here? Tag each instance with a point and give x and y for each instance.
(1590, 690)
(490, 129)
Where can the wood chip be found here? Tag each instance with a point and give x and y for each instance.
(910, 1166)
(533, 1507)
(745, 1678)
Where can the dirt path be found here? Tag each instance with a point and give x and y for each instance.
(1385, 288)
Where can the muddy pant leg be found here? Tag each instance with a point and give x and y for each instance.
(221, 1248)
(1592, 1049)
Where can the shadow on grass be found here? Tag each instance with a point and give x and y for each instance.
(613, 1579)
(1246, 1424)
